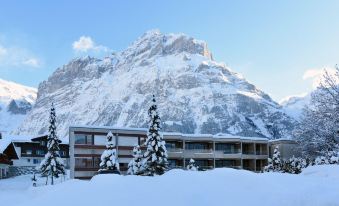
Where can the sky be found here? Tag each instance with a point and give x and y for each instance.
(280, 46)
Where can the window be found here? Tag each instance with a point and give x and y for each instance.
(36, 161)
(29, 152)
(224, 163)
(42, 143)
(172, 163)
(196, 146)
(127, 141)
(96, 162)
(170, 145)
(84, 162)
(100, 139)
(62, 153)
(200, 163)
(83, 139)
(40, 152)
(28, 160)
(226, 147)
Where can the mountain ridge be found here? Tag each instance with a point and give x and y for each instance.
(195, 93)
(16, 101)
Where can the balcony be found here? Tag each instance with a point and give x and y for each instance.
(228, 153)
(198, 153)
(175, 150)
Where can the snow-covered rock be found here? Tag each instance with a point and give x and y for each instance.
(15, 102)
(195, 94)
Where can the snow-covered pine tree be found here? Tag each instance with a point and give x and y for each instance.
(276, 161)
(294, 165)
(155, 157)
(191, 165)
(274, 164)
(52, 165)
(135, 165)
(329, 157)
(109, 162)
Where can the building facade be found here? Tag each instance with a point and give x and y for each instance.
(287, 148)
(86, 145)
(30, 153)
(4, 166)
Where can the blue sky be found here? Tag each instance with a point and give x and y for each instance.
(280, 46)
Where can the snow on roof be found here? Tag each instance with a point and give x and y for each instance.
(8, 139)
(282, 140)
(220, 135)
(109, 127)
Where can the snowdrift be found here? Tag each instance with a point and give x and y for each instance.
(316, 186)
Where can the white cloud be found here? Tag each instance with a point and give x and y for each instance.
(86, 44)
(316, 75)
(32, 62)
(18, 57)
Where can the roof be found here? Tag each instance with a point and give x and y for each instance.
(283, 140)
(8, 139)
(178, 134)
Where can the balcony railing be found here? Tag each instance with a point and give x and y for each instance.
(248, 152)
(262, 153)
(178, 150)
(228, 151)
(200, 150)
(205, 167)
(176, 167)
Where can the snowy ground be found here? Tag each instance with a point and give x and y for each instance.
(318, 186)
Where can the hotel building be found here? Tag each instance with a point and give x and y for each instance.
(86, 145)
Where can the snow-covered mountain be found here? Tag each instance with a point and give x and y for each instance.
(195, 94)
(15, 102)
(294, 105)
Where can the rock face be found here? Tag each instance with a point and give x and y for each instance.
(15, 102)
(195, 94)
(19, 107)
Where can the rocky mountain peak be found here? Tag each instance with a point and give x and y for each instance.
(195, 94)
(153, 43)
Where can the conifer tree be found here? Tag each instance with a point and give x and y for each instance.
(274, 164)
(155, 157)
(191, 165)
(135, 166)
(109, 162)
(294, 165)
(52, 165)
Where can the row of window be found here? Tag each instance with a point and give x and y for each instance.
(35, 161)
(89, 139)
(41, 152)
(204, 163)
(91, 163)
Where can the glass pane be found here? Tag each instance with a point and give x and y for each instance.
(99, 139)
(80, 139)
(86, 162)
(128, 141)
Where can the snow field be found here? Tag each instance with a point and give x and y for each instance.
(318, 186)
